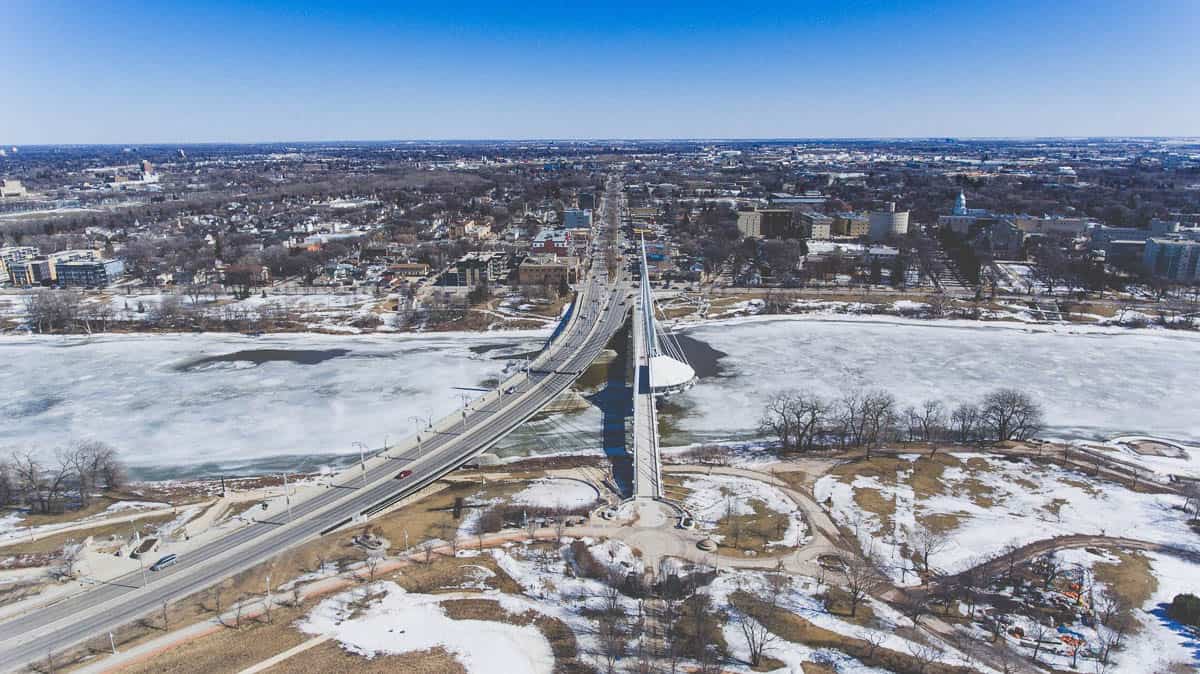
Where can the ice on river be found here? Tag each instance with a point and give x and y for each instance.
(226, 400)
(1094, 382)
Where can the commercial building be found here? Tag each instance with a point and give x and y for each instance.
(43, 269)
(1052, 225)
(11, 256)
(851, 224)
(1176, 260)
(477, 268)
(12, 189)
(575, 218)
(766, 223)
(888, 223)
(551, 242)
(547, 270)
(409, 269)
(587, 200)
(816, 226)
(88, 273)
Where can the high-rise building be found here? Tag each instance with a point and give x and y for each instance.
(888, 222)
(1177, 260)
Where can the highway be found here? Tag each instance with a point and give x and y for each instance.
(597, 314)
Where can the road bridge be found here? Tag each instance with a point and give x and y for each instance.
(358, 493)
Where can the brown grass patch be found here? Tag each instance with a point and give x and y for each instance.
(941, 523)
(561, 638)
(54, 542)
(229, 650)
(330, 657)
(1131, 578)
(450, 573)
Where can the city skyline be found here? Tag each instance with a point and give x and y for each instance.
(271, 72)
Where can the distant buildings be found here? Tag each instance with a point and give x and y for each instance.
(23, 266)
(816, 226)
(13, 189)
(1174, 259)
(88, 273)
(547, 270)
(887, 223)
(575, 218)
(852, 225)
(551, 242)
(480, 268)
(12, 256)
(766, 223)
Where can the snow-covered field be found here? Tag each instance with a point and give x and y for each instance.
(714, 497)
(997, 503)
(399, 622)
(231, 401)
(1094, 382)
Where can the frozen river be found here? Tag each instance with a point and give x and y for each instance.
(209, 403)
(1094, 383)
(178, 405)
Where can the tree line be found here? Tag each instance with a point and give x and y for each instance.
(45, 485)
(805, 421)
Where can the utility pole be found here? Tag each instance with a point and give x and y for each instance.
(112, 643)
(142, 566)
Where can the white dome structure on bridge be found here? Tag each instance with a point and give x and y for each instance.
(668, 375)
(668, 365)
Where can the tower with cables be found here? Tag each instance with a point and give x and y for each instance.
(670, 371)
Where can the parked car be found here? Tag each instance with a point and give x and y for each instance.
(164, 562)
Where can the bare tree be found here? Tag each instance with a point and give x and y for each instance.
(1008, 414)
(758, 637)
(1040, 633)
(861, 580)
(923, 656)
(926, 423)
(964, 421)
(928, 542)
(560, 525)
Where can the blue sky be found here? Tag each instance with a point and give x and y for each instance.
(141, 72)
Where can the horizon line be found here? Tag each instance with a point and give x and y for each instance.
(600, 139)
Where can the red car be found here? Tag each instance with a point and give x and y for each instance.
(403, 474)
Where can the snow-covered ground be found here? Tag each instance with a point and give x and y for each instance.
(1005, 502)
(557, 493)
(157, 400)
(1093, 382)
(798, 595)
(1157, 643)
(713, 497)
(399, 622)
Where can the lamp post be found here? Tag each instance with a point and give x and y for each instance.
(362, 460)
(466, 398)
(418, 421)
(287, 496)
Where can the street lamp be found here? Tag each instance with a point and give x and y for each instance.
(362, 460)
(418, 421)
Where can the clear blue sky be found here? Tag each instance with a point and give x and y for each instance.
(141, 72)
